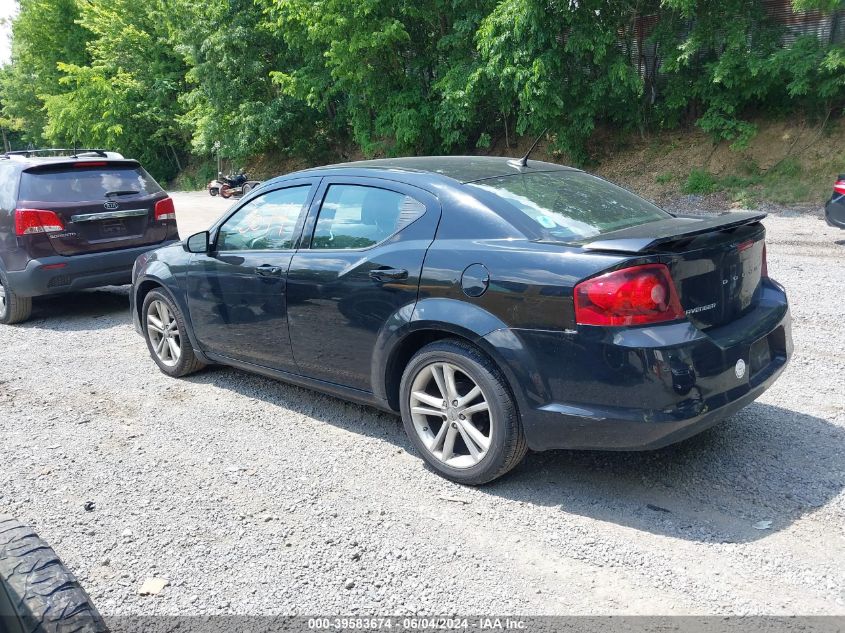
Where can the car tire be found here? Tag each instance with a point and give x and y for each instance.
(246, 189)
(495, 432)
(213, 192)
(37, 591)
(166, 333)
(13, 307)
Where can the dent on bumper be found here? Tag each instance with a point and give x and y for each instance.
(643, 389)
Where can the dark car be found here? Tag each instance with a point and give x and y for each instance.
(834, 210)
(499, 306)
(74, 221)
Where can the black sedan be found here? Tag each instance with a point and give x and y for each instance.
(499, 305)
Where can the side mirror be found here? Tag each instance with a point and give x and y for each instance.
(198, 243)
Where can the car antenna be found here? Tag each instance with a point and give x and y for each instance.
(523, 162)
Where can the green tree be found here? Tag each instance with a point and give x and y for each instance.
(44, 34)
(127, 97)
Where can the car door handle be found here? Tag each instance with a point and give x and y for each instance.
(266, 270)
(383, 274)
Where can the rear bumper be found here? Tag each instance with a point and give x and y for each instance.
(645, 388)
(56, 275)
(834, 212)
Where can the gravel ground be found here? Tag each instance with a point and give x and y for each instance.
(254, 497)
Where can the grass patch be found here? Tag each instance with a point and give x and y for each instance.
(664, 178)
(701, 181)
(784, 183)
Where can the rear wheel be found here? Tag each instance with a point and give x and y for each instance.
(247, 188)
(13, 308)
(166, 336)
(37, 592)
(459, 413)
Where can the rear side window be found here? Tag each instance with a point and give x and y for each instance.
(356, 216)
(572, 205)
(87, 184)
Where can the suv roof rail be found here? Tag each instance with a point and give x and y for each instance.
(71, 153)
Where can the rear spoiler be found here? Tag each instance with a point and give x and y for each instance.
(71, 163)
(643, 237)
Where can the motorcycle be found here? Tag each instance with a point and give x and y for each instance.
(232, 186)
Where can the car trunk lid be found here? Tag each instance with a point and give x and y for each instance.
(715, 262)
(102, 205)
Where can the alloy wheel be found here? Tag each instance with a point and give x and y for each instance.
(451, 415)
(164, 334)
(3, 301)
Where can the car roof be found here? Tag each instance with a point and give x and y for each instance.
(24, 157)
(460, 168)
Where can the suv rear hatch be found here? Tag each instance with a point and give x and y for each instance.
(102, 205)
(716, 262)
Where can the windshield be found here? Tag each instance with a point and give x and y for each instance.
(86, 184)
(572, 205)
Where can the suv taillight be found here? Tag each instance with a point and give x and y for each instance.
(839, 186)
(165, 210)
(31, 221)
(637, 295)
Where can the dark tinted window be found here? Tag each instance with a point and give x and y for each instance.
(356, 216)
(264, 223)
(571, 205)
(87, 184)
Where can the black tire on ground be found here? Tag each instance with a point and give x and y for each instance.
(508, 444)
(37, 592)
(188, 361)
(13, 307)
(213, 192)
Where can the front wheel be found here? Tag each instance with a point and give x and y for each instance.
(460, 414)
(166, 336)
(213, 192)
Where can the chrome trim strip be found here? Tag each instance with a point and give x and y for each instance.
(109, 215)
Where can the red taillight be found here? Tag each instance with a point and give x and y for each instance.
(165, 210)
(31, 221)
(839, 186)
(631, 296)
(764, 270)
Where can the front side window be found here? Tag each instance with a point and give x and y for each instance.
(357, 216)
(264, 223)
(572, 205)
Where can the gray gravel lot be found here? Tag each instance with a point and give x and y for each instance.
(254, 497)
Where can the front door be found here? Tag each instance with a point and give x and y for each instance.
(236, 293)
(360, 263)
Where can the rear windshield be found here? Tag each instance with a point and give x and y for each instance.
(572, 205)
(86, 184)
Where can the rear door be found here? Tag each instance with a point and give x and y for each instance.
(237, 292)
(103, 205)
(360, 263)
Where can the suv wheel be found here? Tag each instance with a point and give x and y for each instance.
(13, 308)
(166, 336)
(460, 414)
